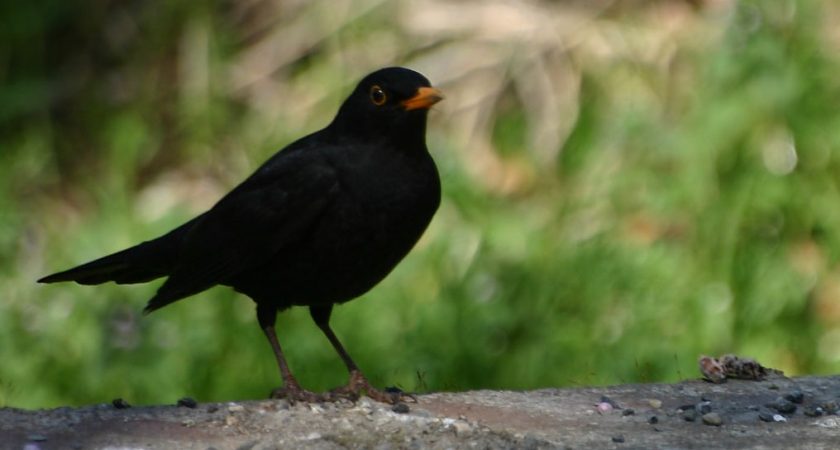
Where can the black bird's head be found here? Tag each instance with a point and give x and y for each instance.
(391, 103)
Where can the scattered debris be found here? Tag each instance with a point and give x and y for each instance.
(717, 370)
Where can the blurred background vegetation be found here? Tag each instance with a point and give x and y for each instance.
(628, 185)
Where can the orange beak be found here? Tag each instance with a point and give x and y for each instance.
(423, 99)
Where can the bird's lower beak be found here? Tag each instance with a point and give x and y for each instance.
(423, 99)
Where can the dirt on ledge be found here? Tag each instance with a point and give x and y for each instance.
(778, 413)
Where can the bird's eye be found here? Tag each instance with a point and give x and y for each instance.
(378, 96)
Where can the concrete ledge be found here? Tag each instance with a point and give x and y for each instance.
(649, 416)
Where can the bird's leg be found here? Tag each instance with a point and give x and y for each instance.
(358, 382)
(291, 390)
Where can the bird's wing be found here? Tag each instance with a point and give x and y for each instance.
(251, 224)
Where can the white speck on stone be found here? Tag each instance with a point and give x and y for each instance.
(233, 407)
(779, 418)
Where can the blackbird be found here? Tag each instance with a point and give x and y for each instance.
(321, 222)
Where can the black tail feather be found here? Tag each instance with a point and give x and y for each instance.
(139, 264)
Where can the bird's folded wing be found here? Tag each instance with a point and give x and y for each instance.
(249, 226)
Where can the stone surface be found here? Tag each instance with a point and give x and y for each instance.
(546, 418)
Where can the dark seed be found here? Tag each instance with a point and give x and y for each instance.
(783, 406)
(618, 439)
(765, 415)
(653, 420)
(400, 408)
(120, 403)
(187, 402)
(795, 396)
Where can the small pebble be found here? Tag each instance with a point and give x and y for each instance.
(235, 408)
(829, 407)
(713, 419)
(689, 415)
(400, 408)
(603, 407)
(619, 439)
(462, 428)
(773, 387)
(628, 412)
(765, 415)
(120, 403)
(703, 398)
(655, 404)
(812, 411)
(704, 407)
(779, 418)
(783, 406)
(653, 420)
(686, 407)
(605, 399)
(187, 402)
(212, 408)
(795, 396)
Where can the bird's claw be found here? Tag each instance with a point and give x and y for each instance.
(294, 394)
(358, 384)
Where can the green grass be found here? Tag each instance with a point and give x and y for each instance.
(690, 205)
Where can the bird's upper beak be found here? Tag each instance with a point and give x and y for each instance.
(423, 99)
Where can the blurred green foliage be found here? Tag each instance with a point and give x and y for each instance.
(692, 206)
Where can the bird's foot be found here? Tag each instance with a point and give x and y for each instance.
(294, 393)
(358, 384)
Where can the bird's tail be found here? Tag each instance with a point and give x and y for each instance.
(138, 264)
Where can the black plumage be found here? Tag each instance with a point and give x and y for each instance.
(320, 223)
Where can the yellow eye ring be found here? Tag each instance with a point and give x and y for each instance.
(377, 95)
